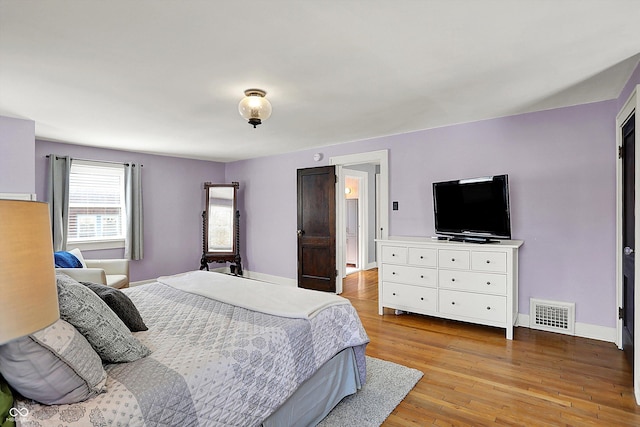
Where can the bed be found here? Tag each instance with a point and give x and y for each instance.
(224, 351)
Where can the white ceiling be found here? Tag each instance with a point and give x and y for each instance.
(165, 77)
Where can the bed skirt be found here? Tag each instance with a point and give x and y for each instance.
(314, 399)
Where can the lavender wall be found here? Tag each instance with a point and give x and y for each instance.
(561, 166)
(173, 199)
(17, 170)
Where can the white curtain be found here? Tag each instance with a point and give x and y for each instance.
(58, 197)
(133, 243)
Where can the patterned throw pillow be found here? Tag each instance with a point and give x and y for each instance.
(106, 333)
(53, 366)
(121, 305)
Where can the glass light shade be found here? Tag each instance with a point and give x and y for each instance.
(255, 106)
(28, 278)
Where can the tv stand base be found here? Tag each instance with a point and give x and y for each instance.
(473, 240)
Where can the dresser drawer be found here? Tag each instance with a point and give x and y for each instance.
(453, 259)
(474, 306)
(472, 281)
(452, 280)
(423, 257)
(489, 261)
(410, 275)
(407, 297)
(395, 254)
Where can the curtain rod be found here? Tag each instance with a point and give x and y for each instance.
(99, 161)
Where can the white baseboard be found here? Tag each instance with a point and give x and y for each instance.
(584, 330)
(596, 332)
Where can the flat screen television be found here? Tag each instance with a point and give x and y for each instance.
(474, 209)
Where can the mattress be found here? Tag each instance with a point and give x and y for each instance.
(212, 363)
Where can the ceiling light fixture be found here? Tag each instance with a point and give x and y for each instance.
(254, 106)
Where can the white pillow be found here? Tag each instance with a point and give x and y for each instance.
(76, 252)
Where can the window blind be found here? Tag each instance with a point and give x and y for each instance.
(96, 202)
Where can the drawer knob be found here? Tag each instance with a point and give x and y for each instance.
(421, 299)
(421, 257)
(488, 262)
(421, 276)
(394, 293)
(453, 260)
(488, 283)
(453, 279)
(453, 303)
(488, 308)
(393, 272)
(393, 254)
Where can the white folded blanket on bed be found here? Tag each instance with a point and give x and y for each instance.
(254, 295)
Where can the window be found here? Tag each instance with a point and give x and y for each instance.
(96, 205)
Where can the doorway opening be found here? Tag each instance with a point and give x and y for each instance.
(357, 221)
(372, 171)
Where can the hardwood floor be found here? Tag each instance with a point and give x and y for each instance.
(474, 376)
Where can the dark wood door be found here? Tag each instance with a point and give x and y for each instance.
(317, 228)
(628, 236)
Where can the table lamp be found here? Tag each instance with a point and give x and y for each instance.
(27, 275)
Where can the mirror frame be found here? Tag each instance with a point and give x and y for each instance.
(232, 256)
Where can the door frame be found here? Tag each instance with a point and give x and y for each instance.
(363, 216)
(381, 158)
(629, 108)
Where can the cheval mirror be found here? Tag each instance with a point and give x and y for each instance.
(220, 227)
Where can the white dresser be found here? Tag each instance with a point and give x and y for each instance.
(461, 281)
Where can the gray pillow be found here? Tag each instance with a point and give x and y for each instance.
(106, 333)
(53, 366)
(121, 305)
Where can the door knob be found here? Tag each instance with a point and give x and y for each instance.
(627, 250)
(300, 233)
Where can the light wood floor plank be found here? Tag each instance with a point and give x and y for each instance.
(475, 377)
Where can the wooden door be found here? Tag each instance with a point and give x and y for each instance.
(628, 237)
(317, 228)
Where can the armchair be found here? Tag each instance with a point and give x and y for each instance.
(110, 272)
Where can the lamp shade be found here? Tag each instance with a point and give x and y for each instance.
(254, 106)
(27, 275)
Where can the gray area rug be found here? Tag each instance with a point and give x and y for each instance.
(387, 384)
